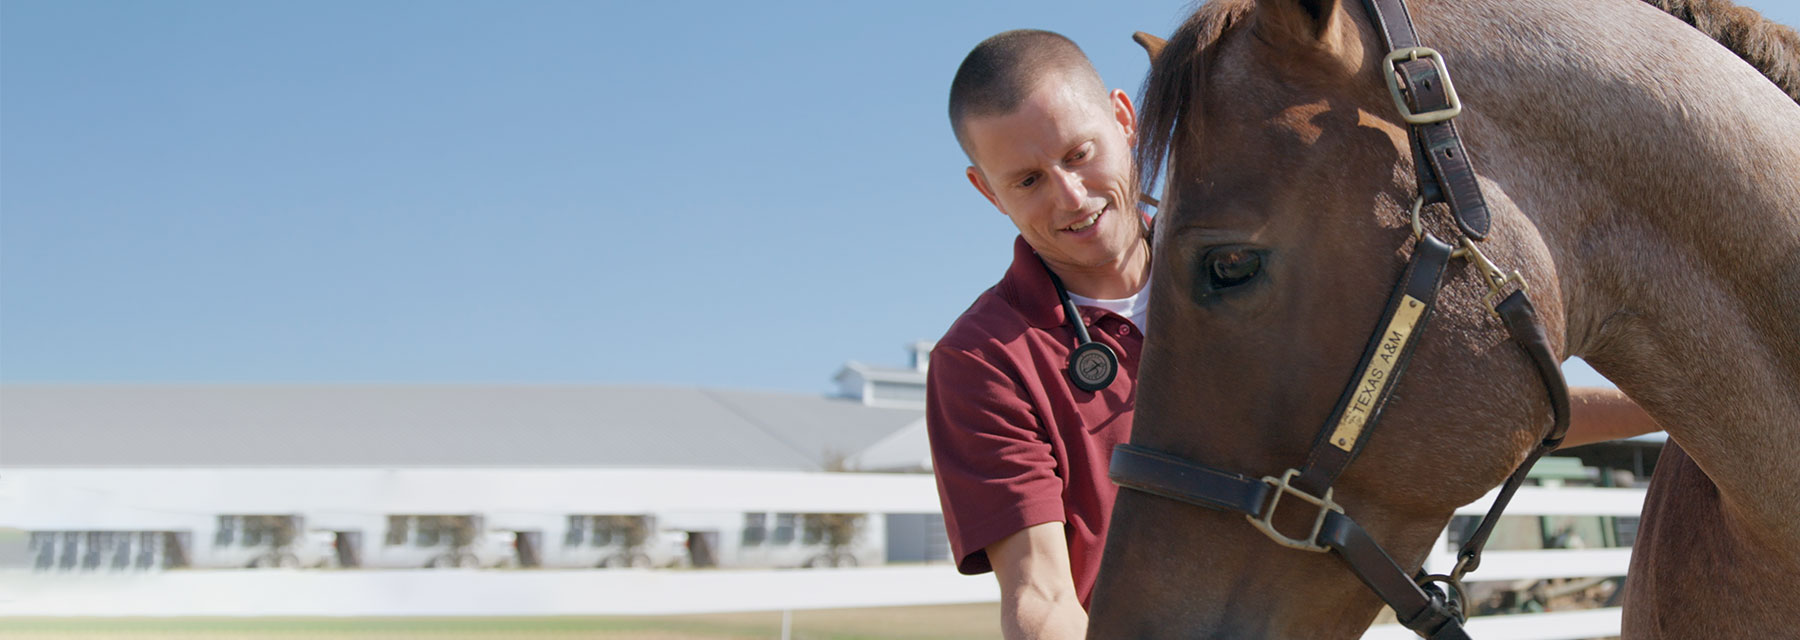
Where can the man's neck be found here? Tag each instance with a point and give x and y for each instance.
(1112, 281)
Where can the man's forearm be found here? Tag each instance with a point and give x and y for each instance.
(1598, 415)
(1035, 615)
(1037, 592)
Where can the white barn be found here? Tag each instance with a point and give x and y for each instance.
(136, 477)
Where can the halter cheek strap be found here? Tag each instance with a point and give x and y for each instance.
(1428, 102)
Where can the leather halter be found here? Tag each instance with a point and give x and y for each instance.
(1422, 91)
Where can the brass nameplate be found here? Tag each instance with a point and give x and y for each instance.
(1375, 377)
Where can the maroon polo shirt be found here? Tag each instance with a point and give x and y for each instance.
(1013, 442)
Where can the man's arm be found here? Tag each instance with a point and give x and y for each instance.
(1598, 415)
(1037, 589)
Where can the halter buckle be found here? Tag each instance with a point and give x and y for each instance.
(1266, 520)
(1409, 54)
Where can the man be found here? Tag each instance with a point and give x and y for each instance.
(1019, 444)
(1020, 452)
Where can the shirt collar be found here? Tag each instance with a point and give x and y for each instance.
(1027, 287)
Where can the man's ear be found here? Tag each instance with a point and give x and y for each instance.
(1124, 114)
(980, 181)
(1320, 25)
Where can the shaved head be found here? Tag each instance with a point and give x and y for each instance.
(1003, 70)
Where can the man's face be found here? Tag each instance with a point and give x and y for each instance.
(1060, 167)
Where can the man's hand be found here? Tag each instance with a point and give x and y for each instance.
(1037, 589)
(1598, 415)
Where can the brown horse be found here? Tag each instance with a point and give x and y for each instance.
(1644, 180)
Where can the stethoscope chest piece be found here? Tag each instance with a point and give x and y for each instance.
(1092, 366)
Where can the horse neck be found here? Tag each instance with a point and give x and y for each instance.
(1662, 179)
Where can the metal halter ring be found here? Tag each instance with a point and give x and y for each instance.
(1491, 275)
(1418, 227)
(1459, 598)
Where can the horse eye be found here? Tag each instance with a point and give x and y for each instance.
(1232, 267)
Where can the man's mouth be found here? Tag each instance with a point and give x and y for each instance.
(1084, 223)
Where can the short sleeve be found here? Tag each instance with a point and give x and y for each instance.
(996, 470)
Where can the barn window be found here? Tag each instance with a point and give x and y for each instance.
(429, 535)
(784, 529)
(227, 527)
(577, 530)
(396, 531)
(755, 528)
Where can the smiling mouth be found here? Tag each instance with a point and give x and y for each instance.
(1085, 222)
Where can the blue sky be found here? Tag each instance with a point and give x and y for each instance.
(722, 194)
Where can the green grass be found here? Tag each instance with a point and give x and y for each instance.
(952, 622)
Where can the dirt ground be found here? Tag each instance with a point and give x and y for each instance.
(949, 622)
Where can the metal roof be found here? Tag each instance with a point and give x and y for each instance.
(432, 425)
(882, 373)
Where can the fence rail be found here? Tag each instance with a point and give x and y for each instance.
(1550, 563)
(624, 592)
(1561, 625)
(1541, 565)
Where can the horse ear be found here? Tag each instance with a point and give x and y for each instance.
(1313, 24)
(1285, 19)
(1152, 45)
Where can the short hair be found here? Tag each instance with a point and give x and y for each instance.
(1001, 72)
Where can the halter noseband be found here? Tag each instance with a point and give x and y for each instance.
(1428, 102)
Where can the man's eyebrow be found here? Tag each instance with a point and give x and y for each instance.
(1018, 175)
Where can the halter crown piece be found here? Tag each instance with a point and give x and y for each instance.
(1420, 83)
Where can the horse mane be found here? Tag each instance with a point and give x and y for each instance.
(1174, 79)
(1773, 48)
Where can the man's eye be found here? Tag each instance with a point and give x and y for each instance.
(1028, 181)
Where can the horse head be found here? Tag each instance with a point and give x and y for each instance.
(1285, 223)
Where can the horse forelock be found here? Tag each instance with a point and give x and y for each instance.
(1174, 81)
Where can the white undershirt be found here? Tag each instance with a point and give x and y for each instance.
(1132, 309)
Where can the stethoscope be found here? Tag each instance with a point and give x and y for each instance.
(1091, 366)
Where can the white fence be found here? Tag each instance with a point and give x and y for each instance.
(44, 498)
(1541, 565)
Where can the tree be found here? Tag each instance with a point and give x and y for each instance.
(837, 531)
(630, 533)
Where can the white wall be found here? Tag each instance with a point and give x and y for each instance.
(30, 497)
(518, 499)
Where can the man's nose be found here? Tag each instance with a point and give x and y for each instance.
(1071, 194)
